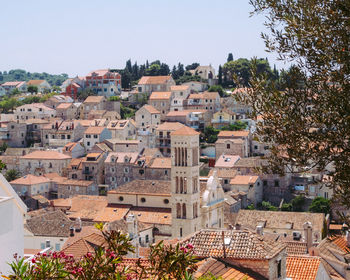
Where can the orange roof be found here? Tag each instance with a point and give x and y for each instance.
(94, 130)
(302, 267)
(180, 87)
(162, 162)
(160, 95)
(150, 215)
(185, 131)
(151, 109)
(244, 180)
(30, 180)
(170, 126)
(204, 95)
(52, 155)
(153, 80)
(222, 270)
(94, 99)
(238, 133)
(64, 105)
(35, 82)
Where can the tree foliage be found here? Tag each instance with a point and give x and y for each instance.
(12, 174)
(106, 262)
(310, 120)
(320, 205)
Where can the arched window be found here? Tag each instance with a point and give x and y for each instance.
(183, 211)
(185, 185)
(178, 210)
(181, 185)
(185, 157)
(177, 184)
(175, 154)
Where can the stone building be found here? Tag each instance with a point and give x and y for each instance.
(163, 139)
(67, 111)
(94, 135)
(148, 84)
(93, 167)
(147, 116)
(34, 111)
(231, 147)
(161, 101)
(122, 129)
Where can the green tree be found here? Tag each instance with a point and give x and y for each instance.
(219, 89)
(298, 203)
(192, 66)
(320, 205)
(12, 174)
(3, 147)
(220, 75)
(15, 91)
(288, 207)
(238, 125)
(32, 89)
(209, 135)
(153, 70)
(310, 120)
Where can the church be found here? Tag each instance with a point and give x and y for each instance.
(176, 208)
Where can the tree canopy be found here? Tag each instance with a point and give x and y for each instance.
(309, 121)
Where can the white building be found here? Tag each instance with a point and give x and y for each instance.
(12, 213)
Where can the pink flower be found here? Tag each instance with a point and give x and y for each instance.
(33, 260)
(44, 254)
(189, 246)
(89, 255)
(80, 269)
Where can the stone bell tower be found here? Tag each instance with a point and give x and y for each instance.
(185, 195)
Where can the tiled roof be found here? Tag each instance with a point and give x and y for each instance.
(296, 248)
(224, 271)
(14, 84)
(64, 105)
(160, 95)
(238, 133)
(94, 130)
(72, 182)
(153, 187)
(204, 95)
(251, 162)
(302, 267)
(35, 82)
(239, 244)
(179, 88)
(223, 173)
(341, 242)
(36, 105)
(185, 131)
(118, 124)
(280, 220)
(122, 157)
(149, 215)
(30, 180)
(230, 140)
(100, 72)
(161, 162)
(151, 109)
(244, 180)
(51, 223)
(94, 99)
(153, 80)
(225, 161)
(170, 126)
(52, 155)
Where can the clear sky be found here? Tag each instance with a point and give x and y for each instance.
(77, 36)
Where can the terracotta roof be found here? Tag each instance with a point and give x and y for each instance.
(224, 271)
(51, 223)
(185, 131)
(94, 99)
(151, 109)
(149, 215)
(36, 105)
(100, 72)
(184, 112)
(280, 220)
(161, 162)
(30, 180)
(118, 124)
(302, 268)
(52, 155)
(170, 126)
(73, 182)
(296, 248)
(94, 130)
(14, 84)
(250, 162)
(119, 157)
(240, 244)
(179, 88)
(204, 95)
(153, 80)
(225, 161)
(223, 173)
(160, 95)
(35, 82)
(64, 105)
(150, 187)
(238, 133)
(244, 180)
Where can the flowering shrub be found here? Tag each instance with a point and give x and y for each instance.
(106, 262)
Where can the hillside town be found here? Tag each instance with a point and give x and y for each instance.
(160, 161)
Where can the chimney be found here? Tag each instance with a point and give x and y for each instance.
(71, 231)
(237, 226)
(77, 225)
(308, 235)
(259, 230)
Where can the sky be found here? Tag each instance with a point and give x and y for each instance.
(78, 36)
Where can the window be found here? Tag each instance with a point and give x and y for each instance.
(88, 143)
(121, 198)
(143, 200)
(226, 181)
(264, 183)
(255, 147)
(147, 238)
(277, 183)
(279, 268)
(228, 146)
(142, 116)
(50, 165)
(180, 232)
(326, 195)
(76, 188)
(57, 247)
(47, 244)
(165, 172)
(95, 136)
(126, 169)
(166, 201)
(42, 246)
